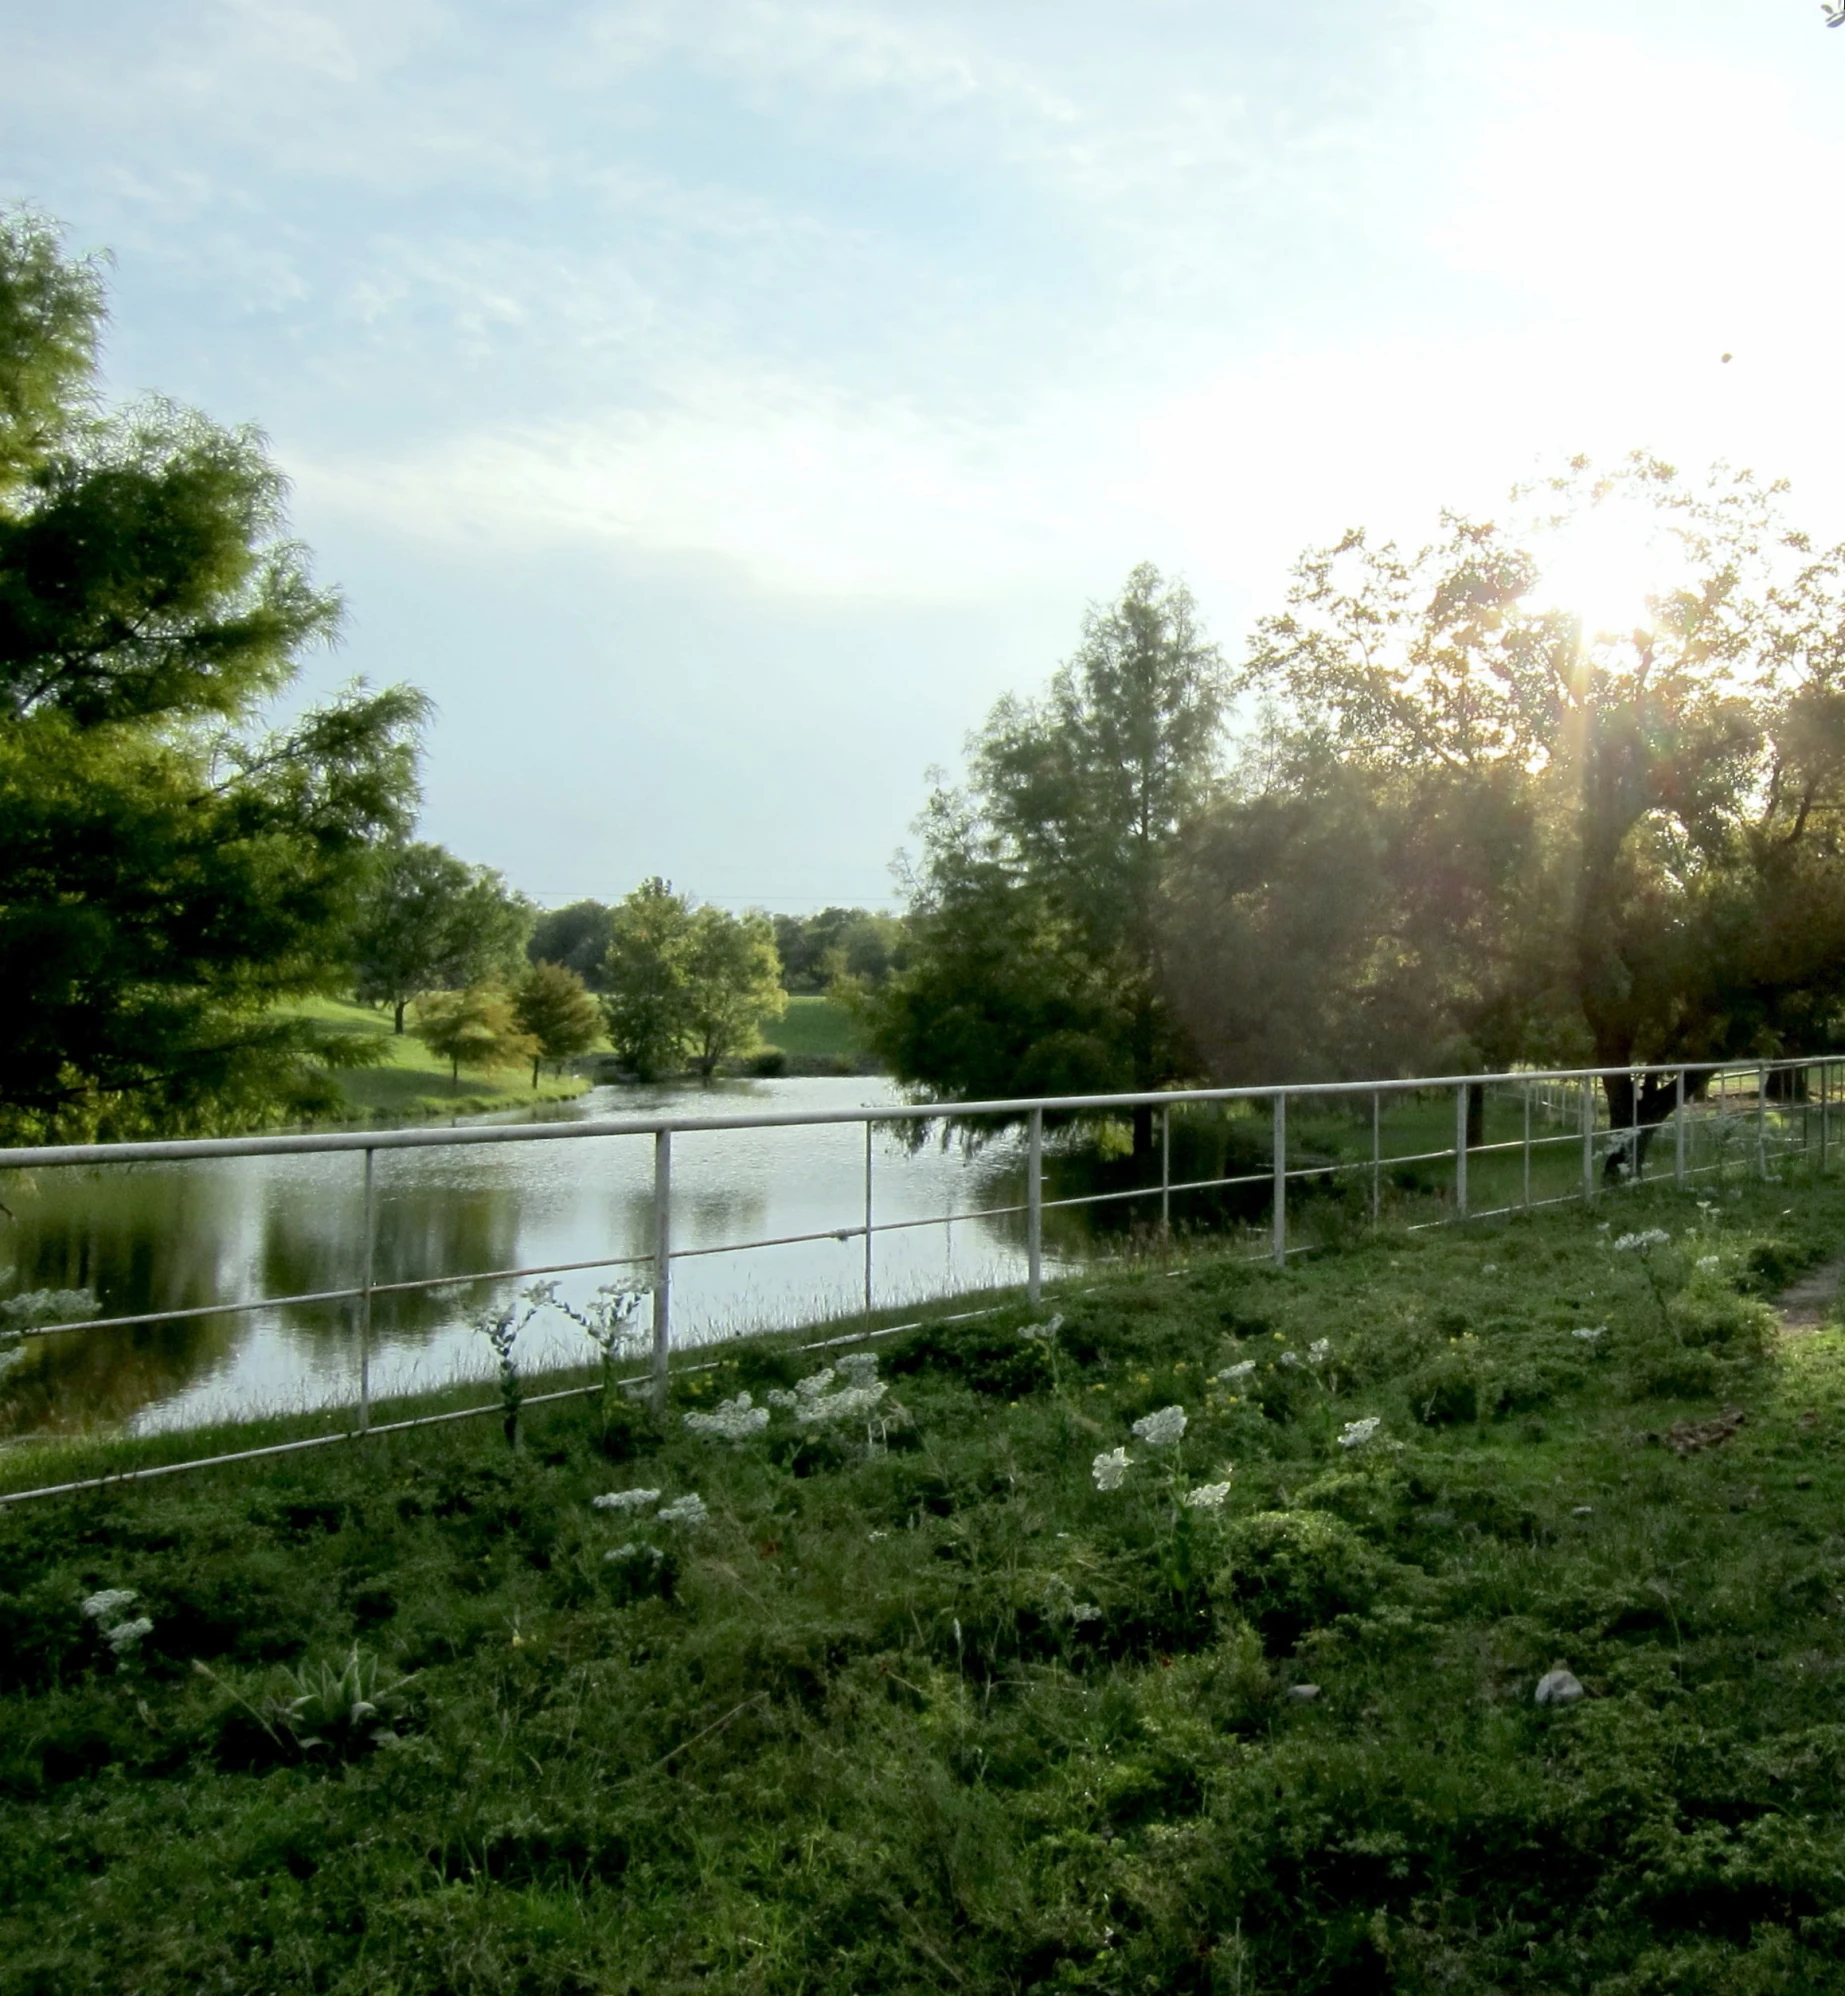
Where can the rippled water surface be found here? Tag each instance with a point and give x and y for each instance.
(153, 1237)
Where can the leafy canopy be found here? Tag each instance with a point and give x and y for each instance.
(170, 868)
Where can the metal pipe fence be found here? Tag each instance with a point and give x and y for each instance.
(1510, 1141)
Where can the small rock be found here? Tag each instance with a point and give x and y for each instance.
(1303, 1694)
(1559, 1687)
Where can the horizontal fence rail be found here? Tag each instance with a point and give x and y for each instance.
(1721, 1114)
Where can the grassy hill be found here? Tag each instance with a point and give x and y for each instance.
(411, 1082)
(921, 1705)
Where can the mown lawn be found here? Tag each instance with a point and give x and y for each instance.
(410, 1081)
(919, 1706)
(814, 1028)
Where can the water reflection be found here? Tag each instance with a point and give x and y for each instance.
(165, 1237)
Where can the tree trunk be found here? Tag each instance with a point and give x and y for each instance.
(1658, 1096)
(536, 1058)
(397, 1016)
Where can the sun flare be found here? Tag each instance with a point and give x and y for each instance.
(1606, 567)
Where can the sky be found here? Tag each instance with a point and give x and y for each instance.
(717, 405)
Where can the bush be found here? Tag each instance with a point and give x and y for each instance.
(1292, 1571)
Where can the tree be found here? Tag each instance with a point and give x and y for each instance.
(1668, 881)
(685, 982)
(851, 942)
(475, 1028)
(170, 871)
(732, 984)
(431, 922)
(578, 937)
(552, 1008)
(1060, 846)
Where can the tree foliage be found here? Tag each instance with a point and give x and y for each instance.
(817, 950)
(169, 869)
(477, 1028)
(432, 922)
(577, 937)
(685, 983)
(1619, 843)
(555, 1011)
(1037, 945)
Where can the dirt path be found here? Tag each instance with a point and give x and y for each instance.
(1803, 1308)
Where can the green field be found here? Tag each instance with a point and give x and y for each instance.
(813, 1028)
(920, 1706)
(412, 1082)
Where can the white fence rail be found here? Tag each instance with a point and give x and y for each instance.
(1767, 1110)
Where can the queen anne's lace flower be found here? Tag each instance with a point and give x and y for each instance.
(107, 1606)
(1241, 1370)
(687, 1510)
(1591, 1334)
(126, 1635)
(860, 1367)
(1287, 1358)
(1319, 1351)
(1207, 1497)
(1355, 1434)
(850, 1403)
(1709, 1263)
(1110, 1468)
(1085, 1611)
(1653, 1237)
(625, 1500)
(1161, 1430)
(730, 1420)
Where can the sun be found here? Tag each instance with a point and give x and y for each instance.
(1605, 567)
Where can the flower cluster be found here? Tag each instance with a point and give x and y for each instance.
(1042, 1333)
(625, 1500)
(816, 1399)
(1233, 1374)
(687, 1510)
(1208, 1497)
(1110, 1468)
(1653, 1237)
(1355, 1434)
(1161, 1430)
(1319, 1351)
(109, 1611)
(1591, 1334)
(730, 1420)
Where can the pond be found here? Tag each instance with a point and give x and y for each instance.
(178, 1236)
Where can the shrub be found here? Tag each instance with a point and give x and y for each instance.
(1295, 1570)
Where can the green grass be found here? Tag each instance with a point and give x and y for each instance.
(932, 1712)
(411, 1081)
(813, 1028)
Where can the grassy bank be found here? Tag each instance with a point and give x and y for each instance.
(920, 1706)
(410, 1082)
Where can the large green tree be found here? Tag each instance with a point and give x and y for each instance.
(1036, 940)
(170, 869)
(1618, 836)
(432, 922)
(554, 1009)
(577, 936)
(732, 982)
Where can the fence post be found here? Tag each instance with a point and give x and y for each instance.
(365, 1297)
(1588, 1139)
(1281, 1181)
(1527, 1158)
(1678, 1131)
(867, 1219)
(1633, 1125)
(1824, 1097)
(1034, 1212)
(1761, 1120)
(1377, 1154)
(662, 1262)
(1460, 1152)
(1166, 1173)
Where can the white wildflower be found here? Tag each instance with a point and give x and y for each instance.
(634, 1549)
(1241, 1370)
(125, 1635)
(688, 1510)
(1288, 1358)
(107, 1606)
(1161, 1430)
(1110, 1468)
(815, 1384)
(778, 1396)
(1355, 1434)
(624, 1500)
(1207, 1497)
(859, 1367)
(1491, 1268)
(850, 1403)
(1085, 1611)
(1653, 1237)
(1319, 1351)
(1591, 1334)
(730, 1420)
(1708, 1264)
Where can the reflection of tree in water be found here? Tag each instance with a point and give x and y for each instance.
(143, 1237)
(424, 1229)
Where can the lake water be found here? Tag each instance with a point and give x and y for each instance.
(178, 1236)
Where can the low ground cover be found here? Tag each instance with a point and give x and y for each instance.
(982, 1669)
